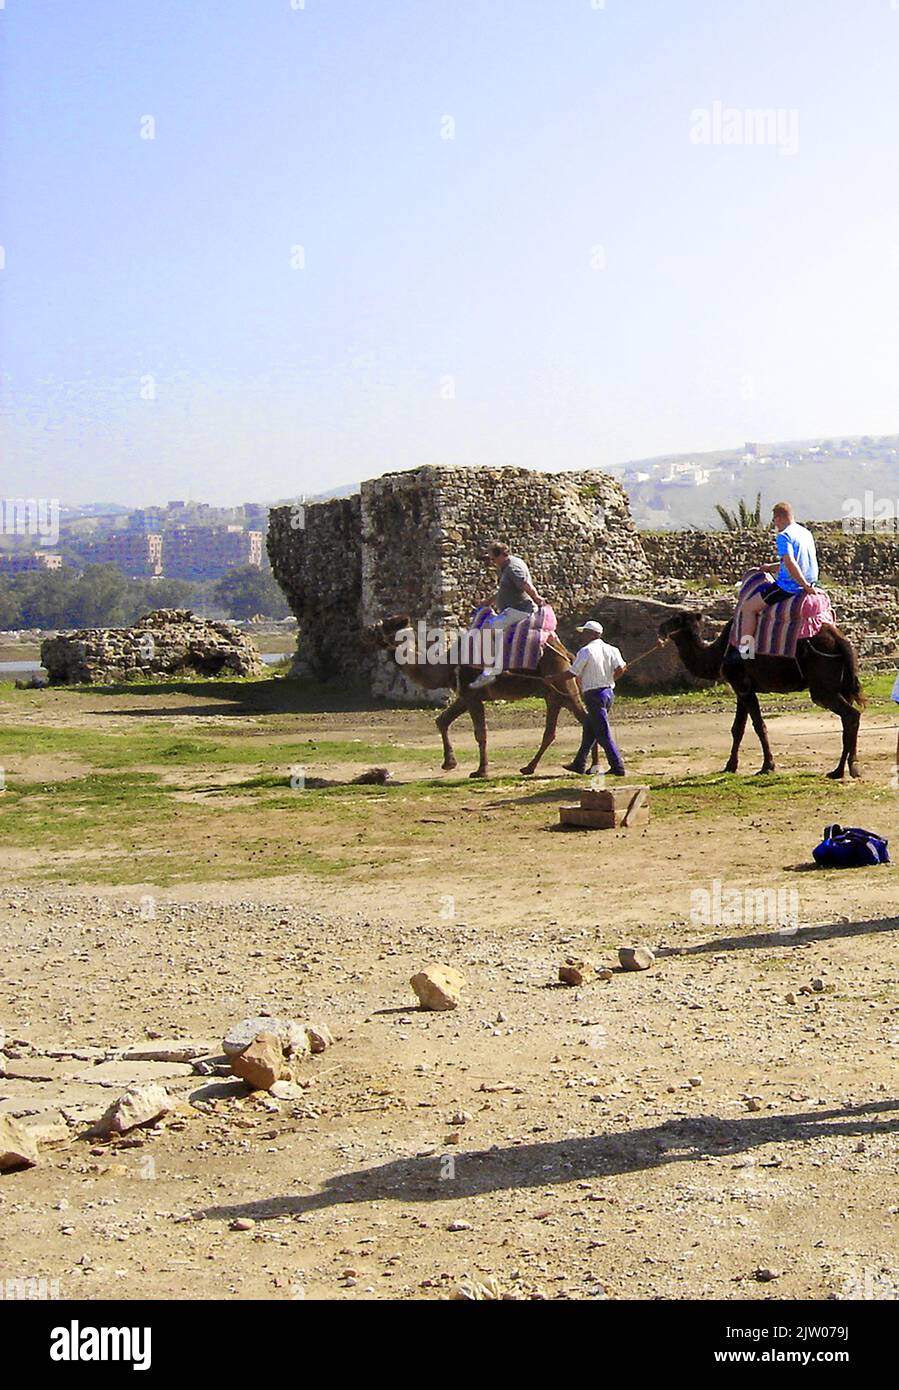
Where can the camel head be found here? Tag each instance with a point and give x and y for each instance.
(686, 621)
(386, 633)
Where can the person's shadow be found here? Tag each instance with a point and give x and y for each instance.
(448, 1176)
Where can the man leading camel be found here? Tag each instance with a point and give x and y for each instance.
(516, 598)
(798, 572)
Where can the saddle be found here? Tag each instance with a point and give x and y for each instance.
(783, 625)
(523, 644)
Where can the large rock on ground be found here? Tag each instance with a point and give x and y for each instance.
(292, 1036)
(142, 1105)
(632, 624)
(438, 987)
(18, 1148)
(262, 1063)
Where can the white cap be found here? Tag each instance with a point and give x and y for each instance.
(592, 627)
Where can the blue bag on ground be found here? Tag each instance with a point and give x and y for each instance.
(850, 848)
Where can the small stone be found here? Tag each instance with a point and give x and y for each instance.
(576, 972)
(753, 1102)
(292, 1035)
(18, 1148)
(438, 987)
(790, 998)
(261, 1063)
(459, 1117)
(818, 986)
(320, 1036)
(605, 974)
(139, 1106)
(242, 1223)
(635, 957)
(287, 1090)
(460, 1226)
(694, 1081)
(767, 1276)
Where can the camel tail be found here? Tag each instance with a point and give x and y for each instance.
(851, 688)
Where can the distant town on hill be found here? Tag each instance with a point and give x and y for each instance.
(195, 541)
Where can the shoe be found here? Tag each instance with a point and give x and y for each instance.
(485, 678)
(617, 772)
(573, 767)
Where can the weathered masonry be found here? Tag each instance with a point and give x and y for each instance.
(410, 542)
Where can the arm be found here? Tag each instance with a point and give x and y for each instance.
(794, 570)
(532, 594)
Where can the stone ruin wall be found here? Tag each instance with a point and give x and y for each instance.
(410, 542)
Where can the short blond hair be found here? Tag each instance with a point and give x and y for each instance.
(782, 509)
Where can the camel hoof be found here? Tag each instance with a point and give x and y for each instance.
(836, 775)
(764, 771)
(729, 767)
(855, 771)
(448, 766)
(527, 771)
(478, 775)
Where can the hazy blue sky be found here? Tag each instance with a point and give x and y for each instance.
(572, 280)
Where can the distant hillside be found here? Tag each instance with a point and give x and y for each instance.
(677, 491)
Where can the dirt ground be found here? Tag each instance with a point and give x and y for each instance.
(686, 1132)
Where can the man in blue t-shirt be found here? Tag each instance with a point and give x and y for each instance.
(798, 572)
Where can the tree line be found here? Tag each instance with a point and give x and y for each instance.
(102, 596)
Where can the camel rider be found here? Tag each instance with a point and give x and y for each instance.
(516, 598)
(798, 572)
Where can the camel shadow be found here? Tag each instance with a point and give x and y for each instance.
(447, 1177)
(791, 936)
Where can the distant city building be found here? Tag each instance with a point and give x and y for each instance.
(23, 563)
(137, 553)
(206, 552)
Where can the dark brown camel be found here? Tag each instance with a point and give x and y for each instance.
(552, 681)
(827, 667)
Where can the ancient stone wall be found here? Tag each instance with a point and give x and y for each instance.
(316, 557)
(725, 556)
(167, 642)
(418, 540)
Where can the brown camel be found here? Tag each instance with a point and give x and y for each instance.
(552, 681)
(826, 666)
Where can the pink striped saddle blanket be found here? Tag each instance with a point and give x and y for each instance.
(522, 644)
(782, 625)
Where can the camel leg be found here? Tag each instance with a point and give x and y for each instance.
(758, 723)
(553, 707)
(850, 718)
(737, 729)
(479, 720)
(444, 719)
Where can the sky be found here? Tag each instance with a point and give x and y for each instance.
(254, 249)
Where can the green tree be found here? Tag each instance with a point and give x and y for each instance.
(744, 518)
(100, 598)
(247, 590)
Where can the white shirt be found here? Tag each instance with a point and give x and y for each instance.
(596, 664)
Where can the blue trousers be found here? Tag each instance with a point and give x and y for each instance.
(598, 730)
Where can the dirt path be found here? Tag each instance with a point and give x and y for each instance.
(665, 1134)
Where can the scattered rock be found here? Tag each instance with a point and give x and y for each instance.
(141, 1105)
(438, 987)
(169, 1050)
(790, 998)
(292, 1035)
(118, 1074)
(18, 1148)
(261, 1063)
(694, 1081)
(576, 972)
(635, 957)
(460, 1226)
(320, 1036)
(605, 974)
(767, 1276)
(242, 1223)
(288, 1090)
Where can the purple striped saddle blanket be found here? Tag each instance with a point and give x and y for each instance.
(782, 625)
(522, 644)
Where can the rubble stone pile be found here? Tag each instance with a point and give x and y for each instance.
(167, 642)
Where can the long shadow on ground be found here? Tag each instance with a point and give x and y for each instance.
(569, 1160)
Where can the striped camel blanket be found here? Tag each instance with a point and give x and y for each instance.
(784, 624)
(522, 644)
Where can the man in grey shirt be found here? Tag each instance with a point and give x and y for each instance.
(516, 598)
